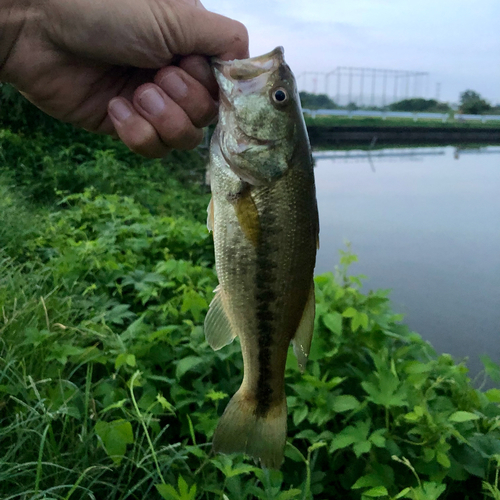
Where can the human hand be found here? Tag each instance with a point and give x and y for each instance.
(135, 68)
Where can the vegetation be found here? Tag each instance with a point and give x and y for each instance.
(472, 103)
(108, 388)
(418, 105)
(316, 101)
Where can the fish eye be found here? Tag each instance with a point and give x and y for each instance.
(280, 95)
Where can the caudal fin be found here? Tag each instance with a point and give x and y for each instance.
(241, 430)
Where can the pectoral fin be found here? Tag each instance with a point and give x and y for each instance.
(210, 215)
(248, 216)
(218, 329)
(303, 336)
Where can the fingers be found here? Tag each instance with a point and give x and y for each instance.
(189, 94)
(199, 68)
(169, 113)
(135, 131)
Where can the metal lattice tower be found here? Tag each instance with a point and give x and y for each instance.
(366, 86)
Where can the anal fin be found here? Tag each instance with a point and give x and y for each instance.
(303, 336)
(218, 329)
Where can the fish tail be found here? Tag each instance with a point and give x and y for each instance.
(242, 430)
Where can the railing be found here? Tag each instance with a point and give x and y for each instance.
(398, 114)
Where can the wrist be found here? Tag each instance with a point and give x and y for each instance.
(12, 20)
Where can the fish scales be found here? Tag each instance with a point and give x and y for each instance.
(265, 224)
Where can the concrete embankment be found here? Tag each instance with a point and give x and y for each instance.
(321, 135)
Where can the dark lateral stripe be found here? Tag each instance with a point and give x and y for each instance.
(265, 296)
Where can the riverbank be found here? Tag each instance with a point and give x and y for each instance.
(108, 388)
(360, 134)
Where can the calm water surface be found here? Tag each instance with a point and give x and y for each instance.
(424, 222)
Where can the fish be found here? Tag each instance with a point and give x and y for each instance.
(264, 218)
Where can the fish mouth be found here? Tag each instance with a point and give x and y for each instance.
(247, 69)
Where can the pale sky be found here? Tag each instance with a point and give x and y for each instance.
(456, 41)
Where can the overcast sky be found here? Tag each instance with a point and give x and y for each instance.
(456, 41)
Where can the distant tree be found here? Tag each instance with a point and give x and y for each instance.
(471, 103)
(420, 105)
(352, 106)
(316, 101)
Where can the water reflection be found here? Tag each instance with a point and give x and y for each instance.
(426, 226)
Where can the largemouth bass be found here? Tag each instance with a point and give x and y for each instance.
(264, 218)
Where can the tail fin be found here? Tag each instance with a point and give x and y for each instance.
(240, 430)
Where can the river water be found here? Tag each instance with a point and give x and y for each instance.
(424, 222)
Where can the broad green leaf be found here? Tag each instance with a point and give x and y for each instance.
(195, 304)
(387, 390)
(377, 438)
(356, 322)
(115, 436)
(125, 359)
(350, 312)
(340, 442)
(300, 414)
(367, 481)
(61, 352)
(378, 491)
(286, 495)
(462, 416)
(363, 319)
(493, 395)
(429, 491)
(183, 487)
(488, 445)
(333, 322)
(362, 447)
(345, 403)
(167, 491)
(442, 458)
(241, 469)
(293, 453)
(350, 435)
(186, 364)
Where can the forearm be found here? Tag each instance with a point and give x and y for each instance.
(13, 14)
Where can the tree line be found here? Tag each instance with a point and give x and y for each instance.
(471, 102)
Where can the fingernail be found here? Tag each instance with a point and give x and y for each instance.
(174, 85)
(119, 110)
(152, 101)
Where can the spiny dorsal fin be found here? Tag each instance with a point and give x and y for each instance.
(218, 329)
(303, 336)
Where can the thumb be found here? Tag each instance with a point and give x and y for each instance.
(196, 30)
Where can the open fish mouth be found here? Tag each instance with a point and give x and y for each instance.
(247, 69)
